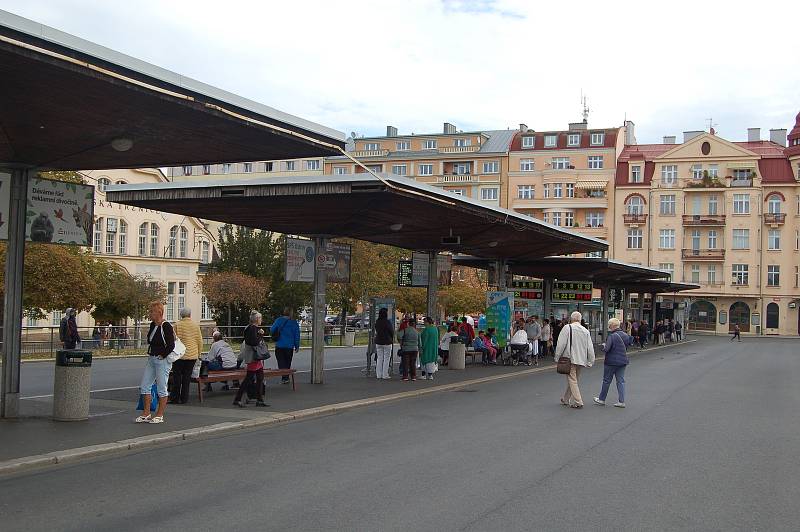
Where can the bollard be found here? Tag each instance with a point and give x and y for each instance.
(457, 358)
(71, 385)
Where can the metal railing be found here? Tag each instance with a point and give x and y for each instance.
(703, 219)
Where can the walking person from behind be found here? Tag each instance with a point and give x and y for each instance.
(384, 342)
(253, 336)
(737, 333)
(160, 343)
(71, 336)
(286, 333)
(409, 347)
(678, 330)
(575, 343)
(615, 362)
(429, 341)
(188, 332)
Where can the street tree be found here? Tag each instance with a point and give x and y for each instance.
(232, 293)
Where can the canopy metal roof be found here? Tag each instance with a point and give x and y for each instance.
(387, 210)
(63, 100)
(601, 271)
(654, 286)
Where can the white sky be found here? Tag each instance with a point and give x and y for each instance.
(480, 64)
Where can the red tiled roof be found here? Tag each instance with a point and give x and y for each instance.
(609, 141)
(775, 170)
(764, 148)
(644, 151)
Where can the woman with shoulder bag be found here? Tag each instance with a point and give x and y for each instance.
(616, 360)
(575, 345)
(253, 339)
(161, 342)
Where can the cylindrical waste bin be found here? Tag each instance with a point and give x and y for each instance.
(457, 358)
(71, 385)
(349, 337)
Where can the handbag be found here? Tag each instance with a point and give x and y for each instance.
(564, 364)
(261, 352)
(178, 351)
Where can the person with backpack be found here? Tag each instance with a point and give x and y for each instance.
(286, 334)
(466, 332)
(615, 347)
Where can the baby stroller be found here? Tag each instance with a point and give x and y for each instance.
(517, 354)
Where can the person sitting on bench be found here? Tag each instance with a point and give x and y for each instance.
(221, 357)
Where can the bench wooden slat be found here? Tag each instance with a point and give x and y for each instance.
(239, 375)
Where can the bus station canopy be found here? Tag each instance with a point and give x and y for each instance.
(659, 287)
(387, 210)
(71, 104)
(600, 271)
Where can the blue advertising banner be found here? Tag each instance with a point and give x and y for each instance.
(499, 313)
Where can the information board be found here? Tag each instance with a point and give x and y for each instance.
(59, 212)
(301, 257)
(572, 291)
(404, 274)
(499, 312)
(418, 271)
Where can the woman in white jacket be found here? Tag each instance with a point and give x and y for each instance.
(575, 342)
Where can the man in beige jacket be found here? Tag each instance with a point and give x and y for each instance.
(575, 342)
(188, 331)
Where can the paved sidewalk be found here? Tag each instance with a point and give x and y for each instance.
(111, 428)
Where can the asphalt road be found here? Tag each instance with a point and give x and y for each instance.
(709, 441)
(37, 377)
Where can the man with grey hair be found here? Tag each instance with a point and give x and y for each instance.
(575, 343)
(188, 331)
(220, 357)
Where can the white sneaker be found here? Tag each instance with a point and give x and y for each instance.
(619, 405)
(597, 401)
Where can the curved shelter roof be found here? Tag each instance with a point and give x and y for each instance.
(387, 210)
(64, 100)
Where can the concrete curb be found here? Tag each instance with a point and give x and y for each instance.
(41, 461)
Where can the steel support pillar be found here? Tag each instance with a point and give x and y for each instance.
(604, 294)
(652, 309)
(433, 283)
(547, 298)
(502, 285)
(318, 310)
(12, 306)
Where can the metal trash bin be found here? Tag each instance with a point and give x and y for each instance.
(349, 337)
(457, 358)
(71, 385)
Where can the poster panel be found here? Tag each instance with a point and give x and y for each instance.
(419, 267)
(499, 313)
(404, 274)
(337, 262)
(300, 258)
(59, 212)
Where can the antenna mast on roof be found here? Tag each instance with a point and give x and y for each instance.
(711, 125)
(585, 111)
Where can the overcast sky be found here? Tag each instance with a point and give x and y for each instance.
(480, 64)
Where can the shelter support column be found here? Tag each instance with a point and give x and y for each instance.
(547, 298)
(625, 304)
(319, 304)
(652, 309)
(12, 306)
(604, 293)
(433, 281)
(502, 285)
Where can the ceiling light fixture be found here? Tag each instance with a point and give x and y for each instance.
(396, 227)
(493, 244)
(122, 144)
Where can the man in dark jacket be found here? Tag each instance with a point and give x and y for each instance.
(616, 361)
(384, 338)
(71, 336)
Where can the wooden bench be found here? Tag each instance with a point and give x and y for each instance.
(470, 352)
(239, 375)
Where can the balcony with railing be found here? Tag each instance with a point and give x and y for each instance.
(458, 149)
(703, 254)
(634, 218)
(458, 178)
(703, 219)
(775, 218)
(369, 153)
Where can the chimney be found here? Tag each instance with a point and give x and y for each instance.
(669, 139)
(449, 129)
(391, 131)
(583, 126)
(689, 135)
(778, 136)
(523, 128)
(630, 138)
(753, 134)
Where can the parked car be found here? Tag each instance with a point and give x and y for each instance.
(358, 323)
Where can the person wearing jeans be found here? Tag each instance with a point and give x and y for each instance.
(288, 332)
(616, 361)
(384, 339)
(161, 342)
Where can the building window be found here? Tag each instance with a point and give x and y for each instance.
(399, 169)
(634, 205)
(187, 170)
(741, 239)
(560, 163)
(183, 242)
(312, 164)
(797, 240)
(226, 168)
(461, 143)
(206, 169)
(489, 194)
(595, 162)
(713, 204)
(634, 239)
(546, 189)
(666, 239)
(598, 139)
(545, 217)
(569, 219)
(102, 183)
(462, 168)
(695, 274)
(774, 239)
(667, 267)
(774, 204)
(573, 139)
(289, 166)
(773, 275)
(172, 248)
(269, 166)
(377, 168)
(712, 274)
(459, 191)
(339, 170)
(123, 237)
(570, 190)
(740, 274)
(741, 173)
(205, 252)
(528, 142)
(669, 174)
(667, 204)
(55, 318)
(797, 276)
(741, 204)
(425, 169)
(491, 167)
(153, 240)
(429, 144)
(403, 145)
(558, 190)
(525, 191)
(143, 239)
(713, 170)
(248, 167)
(557, 219)
(372, 146)
(205, 310)
(526, 165)
(170, 314)
(594, 219)
(697, 171)
(98, 236)
(712, 239)
(181, 295)
(636, 174)
(111, 236)
(550, 141)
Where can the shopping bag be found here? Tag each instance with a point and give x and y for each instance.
(153, 401)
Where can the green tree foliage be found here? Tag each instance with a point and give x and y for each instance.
(233, 289)
(466, 294)
(66, 176)
(120, 295)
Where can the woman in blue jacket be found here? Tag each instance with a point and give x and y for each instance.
(287, 342)
(616, 360)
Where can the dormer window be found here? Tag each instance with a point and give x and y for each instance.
(550, 141)
(528, 142)
(573, 139)
(598, 139)
(372, 146)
